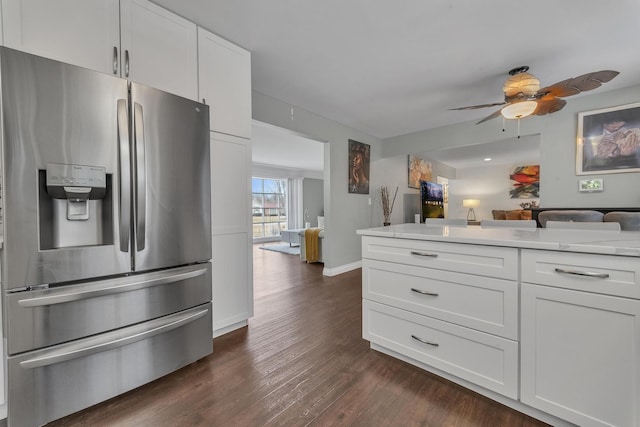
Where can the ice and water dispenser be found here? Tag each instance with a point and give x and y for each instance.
(75, 206)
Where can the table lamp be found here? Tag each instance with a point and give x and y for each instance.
(470, 203)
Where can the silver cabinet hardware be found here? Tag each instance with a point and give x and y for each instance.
(433, 344)
(115, 60)
(427, 254)
(418, 291)
(583, 273)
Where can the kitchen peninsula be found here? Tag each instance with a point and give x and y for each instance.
(544, 321)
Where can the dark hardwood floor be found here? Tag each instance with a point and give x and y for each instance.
(301, 361)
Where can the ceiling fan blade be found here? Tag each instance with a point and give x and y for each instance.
(549, 106)
(578, 84)
(475, 107)
(491, 116)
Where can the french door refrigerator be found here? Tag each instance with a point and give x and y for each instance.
(106, 272)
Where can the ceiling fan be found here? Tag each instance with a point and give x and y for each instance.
(523, 96)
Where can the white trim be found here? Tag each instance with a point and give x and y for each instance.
(341, 269)
(227, 329)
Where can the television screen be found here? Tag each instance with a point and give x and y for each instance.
(431, 200)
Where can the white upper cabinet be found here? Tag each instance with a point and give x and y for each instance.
(224, 72)
(159, 48)
(80, 32)
(135, 39)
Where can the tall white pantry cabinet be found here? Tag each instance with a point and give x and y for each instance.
(225, 85)
(146, 43)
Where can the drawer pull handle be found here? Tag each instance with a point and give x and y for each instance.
(431, 294)
(433, 344)
(583, 273)
(432, 255)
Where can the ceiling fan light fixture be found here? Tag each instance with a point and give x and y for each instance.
(522, 82)
(519, 110)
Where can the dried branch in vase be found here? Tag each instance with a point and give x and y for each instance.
(387, 203)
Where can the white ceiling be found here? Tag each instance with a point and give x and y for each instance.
(389, 68)
(509, 151)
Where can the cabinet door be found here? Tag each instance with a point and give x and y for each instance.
(159, 48)
(225, 84)
(581, 356)
(78, 32)
(232, 260)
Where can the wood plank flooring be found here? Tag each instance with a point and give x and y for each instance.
(301, 361)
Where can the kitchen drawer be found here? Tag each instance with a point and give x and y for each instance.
(482, 303)
(604, 274)
(491, 261)
(483, 359)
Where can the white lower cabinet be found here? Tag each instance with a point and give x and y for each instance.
(483, 359)
(581, 355)
(553, 334)
(420, 301)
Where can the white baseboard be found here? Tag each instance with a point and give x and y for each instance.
(229, 328)
(341, 269)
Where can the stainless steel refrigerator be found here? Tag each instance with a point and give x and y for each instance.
(106, 276)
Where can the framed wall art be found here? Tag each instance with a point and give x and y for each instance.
(359, 160)
(609, 140)
(525, 182)
(418, 170)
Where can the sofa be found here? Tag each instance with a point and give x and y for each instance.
(516, 214)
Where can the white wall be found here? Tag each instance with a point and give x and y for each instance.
(393, 172)
(489, 184)
(344, 212)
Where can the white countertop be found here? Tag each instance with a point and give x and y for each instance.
(626, 243)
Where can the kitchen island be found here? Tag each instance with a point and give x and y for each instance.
(544, 321)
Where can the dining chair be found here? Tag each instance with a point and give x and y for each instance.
(629, 221)
(570, 215)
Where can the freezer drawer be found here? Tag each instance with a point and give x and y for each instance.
(42, 318)
(48, 384)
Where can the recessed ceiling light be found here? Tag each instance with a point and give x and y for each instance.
(487, 159)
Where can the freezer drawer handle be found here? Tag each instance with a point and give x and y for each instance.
(114, 340)
(433, 344)
(418, 291)
(583, 273)
(142, 282)
(427, 254)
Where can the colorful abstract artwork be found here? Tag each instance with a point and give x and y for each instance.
(525, 182)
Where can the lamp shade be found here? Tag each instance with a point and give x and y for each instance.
(470, 203)
(519, 110)
(524, 83)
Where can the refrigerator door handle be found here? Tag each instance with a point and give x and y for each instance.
(141, 178)
(113, 340)
(124, 159)
(113, 286)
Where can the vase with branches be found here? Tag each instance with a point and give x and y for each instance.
(387, 203)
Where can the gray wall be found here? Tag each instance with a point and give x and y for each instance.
(344, 212)
(558, 179)
(313, 199)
